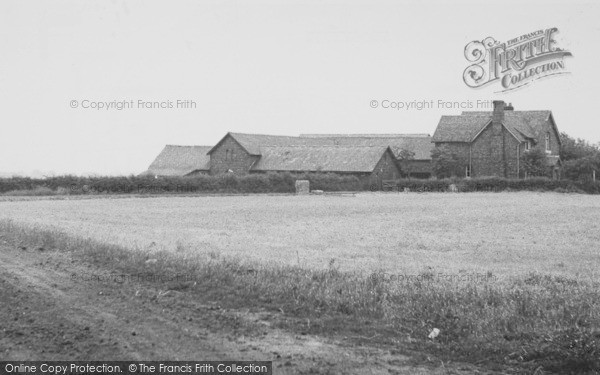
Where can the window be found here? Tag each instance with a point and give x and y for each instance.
(468, 171)
(547, 142)
(227, 154)
(528, 145)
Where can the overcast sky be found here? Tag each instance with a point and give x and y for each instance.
(277, 67)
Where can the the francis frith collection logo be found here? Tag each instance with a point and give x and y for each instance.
(515, 63)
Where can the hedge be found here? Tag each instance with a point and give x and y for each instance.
(227, 183)
(273, 183)
(497, 184)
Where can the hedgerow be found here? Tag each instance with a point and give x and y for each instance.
(227, 183)
(496, 184)
(276, 183)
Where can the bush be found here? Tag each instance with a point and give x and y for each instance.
(446, 163)
(582, 169)
(534, 162)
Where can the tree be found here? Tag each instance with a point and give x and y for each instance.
(582, 168)
(405, 157)
(534, 162)
(580, 158)
(445, 163)
(572, 148)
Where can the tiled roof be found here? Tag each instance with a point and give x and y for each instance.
(420, 144)
(371, 135)
(459, 128)
(531, 124)
(253, 142)
(463, 128)
(319, 158)
(180, 161)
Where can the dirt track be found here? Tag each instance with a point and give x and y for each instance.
(50, 311)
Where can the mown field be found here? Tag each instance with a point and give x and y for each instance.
(501, 233)
(380, 270)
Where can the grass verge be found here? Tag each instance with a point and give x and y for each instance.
(519, 324)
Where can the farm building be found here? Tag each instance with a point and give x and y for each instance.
(485, 144)
(374, 163)
(180, 161)
(419, 146)
(240, 153)
(364, 155)
(492, 143)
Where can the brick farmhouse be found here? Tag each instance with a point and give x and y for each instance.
(492, 143)
(486, 143)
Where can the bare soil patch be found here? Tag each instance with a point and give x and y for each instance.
(49, 311)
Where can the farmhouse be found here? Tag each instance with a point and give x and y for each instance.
(180, 161)
(492, 143)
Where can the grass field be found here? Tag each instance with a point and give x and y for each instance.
(503, 233)
(539, 310)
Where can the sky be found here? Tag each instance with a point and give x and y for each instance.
(269, 67)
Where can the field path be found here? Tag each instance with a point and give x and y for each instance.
(51, 310)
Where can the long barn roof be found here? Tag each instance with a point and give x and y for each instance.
(180, 161)
(420, 144)
(320, 158)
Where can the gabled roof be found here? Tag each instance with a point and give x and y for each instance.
(420, 144)
(525, 123)
(522, 124)
(180, 161)
(371, 135)
(252, 143)
(319, 158)
(459, 128)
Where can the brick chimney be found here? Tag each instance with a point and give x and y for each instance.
(509, 107)
(498, 115)
(496, 147)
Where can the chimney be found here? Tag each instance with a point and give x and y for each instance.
(497, 152)
(498, 115)
(509, 107)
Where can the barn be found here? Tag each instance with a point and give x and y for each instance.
(367, 156)
(240, 153)
(419, 145)
(180, 161)
(371, 163)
